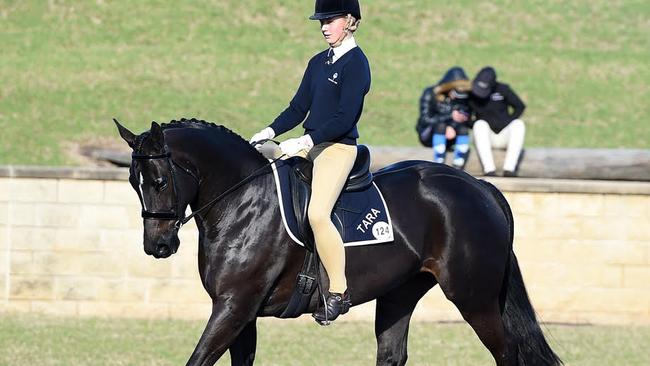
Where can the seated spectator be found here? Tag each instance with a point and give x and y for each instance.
(496, 126)
(444, 116)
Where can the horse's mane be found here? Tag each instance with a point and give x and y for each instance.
(199, 124)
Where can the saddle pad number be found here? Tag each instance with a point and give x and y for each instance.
(381, 231)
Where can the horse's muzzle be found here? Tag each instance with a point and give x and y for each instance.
(160, 244)
(162, 251)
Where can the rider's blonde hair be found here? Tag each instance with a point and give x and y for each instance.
(353, 23)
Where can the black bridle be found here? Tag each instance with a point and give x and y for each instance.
(175, 213)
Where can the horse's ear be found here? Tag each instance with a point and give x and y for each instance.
(157, 136)
(127, 135)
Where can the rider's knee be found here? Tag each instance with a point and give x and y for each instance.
(317, 216)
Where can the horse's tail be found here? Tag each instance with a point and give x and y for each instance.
(521, 323)
(523, 330)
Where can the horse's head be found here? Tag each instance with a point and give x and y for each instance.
(164, 187)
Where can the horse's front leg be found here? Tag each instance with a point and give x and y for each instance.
(226, 323)
(242, 351)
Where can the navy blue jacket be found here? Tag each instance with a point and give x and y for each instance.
(332, 95)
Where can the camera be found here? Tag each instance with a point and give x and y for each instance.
(459, 102)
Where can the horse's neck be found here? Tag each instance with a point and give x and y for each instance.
(229, 232)
(220, 162)
(220, 159)
(228, 228)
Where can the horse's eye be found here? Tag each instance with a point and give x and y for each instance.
(160, 184)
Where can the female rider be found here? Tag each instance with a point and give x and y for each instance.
(331, 96)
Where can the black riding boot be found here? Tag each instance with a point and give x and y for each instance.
(335, 305)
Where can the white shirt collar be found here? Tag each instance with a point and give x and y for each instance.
(346, 45)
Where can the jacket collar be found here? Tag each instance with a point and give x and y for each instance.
(346, 45)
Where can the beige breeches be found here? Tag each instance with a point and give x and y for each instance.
(332, 165)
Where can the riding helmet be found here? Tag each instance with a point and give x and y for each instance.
(326, 9)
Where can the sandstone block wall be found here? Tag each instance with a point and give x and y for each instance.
(74, 247)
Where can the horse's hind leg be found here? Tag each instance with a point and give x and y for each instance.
(488, 326)
(473, 283)
(475, 292)
(392, 318)
(242, 350)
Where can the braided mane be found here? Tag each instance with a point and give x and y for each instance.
(197, 123)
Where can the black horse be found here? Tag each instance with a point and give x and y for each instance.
(450, 229)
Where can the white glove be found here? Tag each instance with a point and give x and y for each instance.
(265, 134)
(293, 146)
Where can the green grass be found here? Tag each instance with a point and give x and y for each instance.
(46, 341)
(68, 67)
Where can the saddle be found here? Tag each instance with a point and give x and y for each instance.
(359, 206)
(360, 179)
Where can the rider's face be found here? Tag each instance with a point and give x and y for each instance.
(333, 29)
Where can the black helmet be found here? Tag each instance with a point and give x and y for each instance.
(325, 9)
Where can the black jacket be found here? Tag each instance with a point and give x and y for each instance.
(436, 112)
(432, 111)
(495, 108)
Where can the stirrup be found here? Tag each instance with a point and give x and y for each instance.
(335, 305)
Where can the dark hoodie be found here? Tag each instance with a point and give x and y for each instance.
(438, 101)
(490, 100)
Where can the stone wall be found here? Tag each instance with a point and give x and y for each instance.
(71, 244)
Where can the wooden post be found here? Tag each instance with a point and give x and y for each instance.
(567, 163)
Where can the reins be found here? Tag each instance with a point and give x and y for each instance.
(184, 221)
